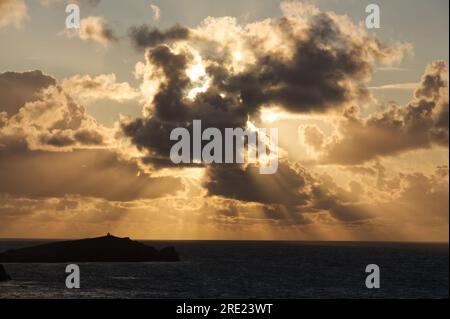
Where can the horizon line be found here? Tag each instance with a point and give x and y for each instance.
(242, 240)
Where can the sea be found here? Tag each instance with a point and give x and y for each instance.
(246, 269)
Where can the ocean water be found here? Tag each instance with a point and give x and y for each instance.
(233, 269)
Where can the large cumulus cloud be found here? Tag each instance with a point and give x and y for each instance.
(303, 63)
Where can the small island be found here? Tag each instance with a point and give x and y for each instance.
(101, 249)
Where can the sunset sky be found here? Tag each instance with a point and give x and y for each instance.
(85, 119)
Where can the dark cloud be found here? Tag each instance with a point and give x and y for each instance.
(57, 139)
(321, 74)
(289, 195)
(16, 89)
(325, 200)
(246, 184)
(144, 36)
(171, 108)
(89, 137)
(433, 81)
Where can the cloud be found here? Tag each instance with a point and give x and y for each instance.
(12, 12)
(156, 12)
(50, 146)
(144, 36)
(396, 86)
(87, 173)
(422, 123)
(57, 163)
(288, 186)
(18, 88)
(416, 200)
(285, 216)
(51, 121)
(312, 62)
(86, 88)
(292, 193)
(313, 136)
(88, 137)
(171, 108)
(427, 193)
(223, 73)
(339, 203)
(94, 29)
(434, 82)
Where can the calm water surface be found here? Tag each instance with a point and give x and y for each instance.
(214, 269)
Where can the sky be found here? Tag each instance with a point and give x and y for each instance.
(362, 115)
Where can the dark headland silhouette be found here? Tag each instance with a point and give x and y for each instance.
(3, 274)
(101, 249)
